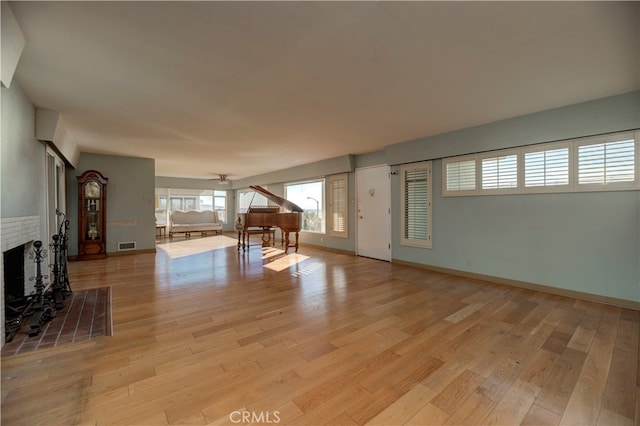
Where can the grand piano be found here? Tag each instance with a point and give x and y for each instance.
(265, 218)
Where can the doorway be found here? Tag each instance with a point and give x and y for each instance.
(373, 212)
(55, 186)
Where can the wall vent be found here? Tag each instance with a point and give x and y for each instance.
(131, 245)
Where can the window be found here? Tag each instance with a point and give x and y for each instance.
(249, 197)
(607, 163)
(500, 172)
(546, 167)
(461, 175)
(162, 212)
(601, 163)
(416, 204)
(220, 204)
(189, 203)
(189, 199)
(338, 205)
(310, 197)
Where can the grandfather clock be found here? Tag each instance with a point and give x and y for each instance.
(92, 205)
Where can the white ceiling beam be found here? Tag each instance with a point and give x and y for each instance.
(13, 42)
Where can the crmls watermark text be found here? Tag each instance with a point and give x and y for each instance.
(255, 417)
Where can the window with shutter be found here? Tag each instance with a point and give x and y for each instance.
(607, 162)
(500, 172)
(600, 163)
(416, 204)
(546, 168)
(338, 205)
(460, 175)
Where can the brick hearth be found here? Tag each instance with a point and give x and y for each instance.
(86, 315)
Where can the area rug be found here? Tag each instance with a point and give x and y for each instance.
(197, 245)
(86, 315)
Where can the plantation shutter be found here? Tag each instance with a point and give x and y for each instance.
(546, 168)
(500, 172)
(609, 162)
(417, 205)
(338, 193)
(598, 163)
(461, 176)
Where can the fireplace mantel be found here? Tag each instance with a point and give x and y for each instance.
(16, 231)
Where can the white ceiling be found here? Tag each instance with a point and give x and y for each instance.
(246, 88)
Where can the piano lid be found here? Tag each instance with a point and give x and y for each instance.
(282, 202)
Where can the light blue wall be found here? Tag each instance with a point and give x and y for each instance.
(587, 242)
(342, 164)
(607, 115)
(130, 200)
(371, 159)
(22, 158)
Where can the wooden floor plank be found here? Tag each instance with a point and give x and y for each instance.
(514, 405)
(329, 339)
(429, 415)
(585, 401)
(404, 408)
(560, 385)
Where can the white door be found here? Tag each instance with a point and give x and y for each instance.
(373, 212)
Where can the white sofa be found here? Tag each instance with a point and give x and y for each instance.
(194, 221)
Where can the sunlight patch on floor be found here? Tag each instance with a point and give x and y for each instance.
(197, 246)
(308, 269)
(284, 262)
(269, 252)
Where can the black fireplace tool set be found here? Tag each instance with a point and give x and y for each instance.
(41, 306)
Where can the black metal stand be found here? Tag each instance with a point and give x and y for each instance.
(56, 287)
(64, 245)
(61, 287)
(41, 311)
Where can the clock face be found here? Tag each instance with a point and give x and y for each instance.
(92, 189)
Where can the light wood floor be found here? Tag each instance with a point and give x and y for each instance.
(227, 338)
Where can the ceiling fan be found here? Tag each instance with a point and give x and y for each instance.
(223, 179)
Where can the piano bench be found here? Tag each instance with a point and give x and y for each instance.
(271, 232)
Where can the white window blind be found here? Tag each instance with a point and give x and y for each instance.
(416, 204)
(599, 163)
(338, 205)
(461, 175)
(500, 172)
(546, 168)
(605, 163)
